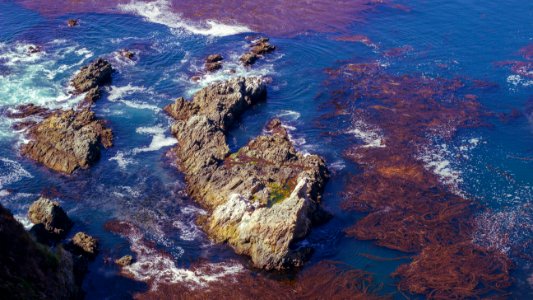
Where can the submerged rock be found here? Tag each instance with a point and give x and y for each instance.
(72, 22)
(48, 215)
(29, 270)
(259, 48)
(67, 140)
(83, 244)
(263, 198)
(127, 54)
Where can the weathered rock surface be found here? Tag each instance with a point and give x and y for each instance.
(91, 77)
(124, 261)
(83, 244)
(213, 62)
(67, 140)
(29, 270)
(48, 215)
(259, 48)
(263, 198)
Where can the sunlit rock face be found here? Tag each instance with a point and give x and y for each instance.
(264, 197)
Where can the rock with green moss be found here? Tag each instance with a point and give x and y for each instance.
(264, 197)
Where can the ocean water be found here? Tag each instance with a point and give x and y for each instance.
(136, 180)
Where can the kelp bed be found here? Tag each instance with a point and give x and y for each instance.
(408, 207)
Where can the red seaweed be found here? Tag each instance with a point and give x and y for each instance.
(408, 208)
(278, 17)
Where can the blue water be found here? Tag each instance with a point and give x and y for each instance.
(135, 180)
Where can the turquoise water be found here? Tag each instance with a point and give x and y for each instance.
(136, 181)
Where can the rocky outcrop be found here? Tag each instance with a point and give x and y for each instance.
(259, 48)
(124, 261)
(91, 77)
(51, 221)
(213, 62)
(67, 140)
(83, 244)
(29, 270)
(263, 198)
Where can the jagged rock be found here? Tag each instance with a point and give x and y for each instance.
(83, 244)
(124, 261)
(213, 62)
(26, 110)
(29, 270)
(72, 22)
(48, 215)
(67, 140)
(259, 48)
(263, 198)
(91, 77)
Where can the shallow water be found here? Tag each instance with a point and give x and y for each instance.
(135, 180)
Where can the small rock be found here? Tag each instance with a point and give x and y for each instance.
(260, 47)
(124, 261)
(213, 62)
(127, 54)
(72, 22)
(34, 49)
(83, 244)
(51, 216)
(214, 58)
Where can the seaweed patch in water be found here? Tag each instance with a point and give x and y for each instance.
(410, 205)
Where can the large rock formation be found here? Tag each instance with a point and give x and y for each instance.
(66, 140)
(48, 215)
(29, 270)
(262, 198)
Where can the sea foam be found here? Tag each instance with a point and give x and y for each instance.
(160, 12)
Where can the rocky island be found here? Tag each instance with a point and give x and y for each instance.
(65, 140)
(261, 199)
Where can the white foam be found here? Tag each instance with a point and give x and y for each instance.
(289, 114)
(157, 268)
(160, 12)
(11, 171)
(436, 159)
(517, 80)
(121, 159)
(119, 92)
(159, 140)
(23, 219)
(372, 137)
